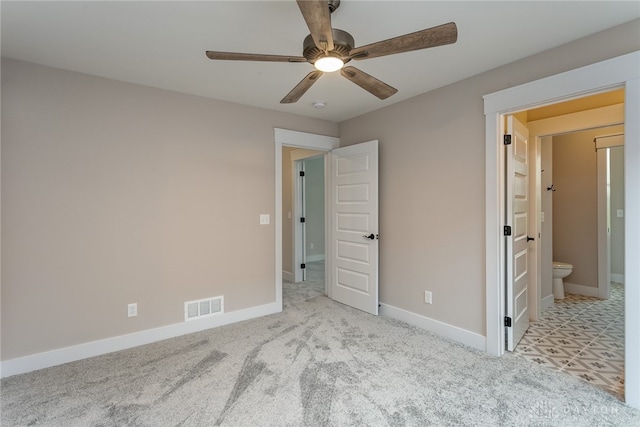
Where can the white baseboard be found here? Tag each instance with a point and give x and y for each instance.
(59, 356)
(443, 329)
(618, 278)
(288, 276)
(547, 302)
(588, 291)
(318, 257)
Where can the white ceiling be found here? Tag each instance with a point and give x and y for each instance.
(162, 44)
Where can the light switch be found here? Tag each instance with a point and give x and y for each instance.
(264, 219)
(620, 213)
(541, 216)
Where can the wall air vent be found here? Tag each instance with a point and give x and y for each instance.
(203, 308)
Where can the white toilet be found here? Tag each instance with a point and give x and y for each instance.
(560, 271)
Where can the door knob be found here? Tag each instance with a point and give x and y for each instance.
(530, 239)
(370, 236)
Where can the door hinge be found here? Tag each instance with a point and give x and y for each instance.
(301, 173)
(507, 321)
(303, 219)
(303, 265)
(507, 139)
(507, 230)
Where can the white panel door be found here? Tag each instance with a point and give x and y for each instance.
(354, 226)
(517, 159)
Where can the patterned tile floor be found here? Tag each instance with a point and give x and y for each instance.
(583, 336)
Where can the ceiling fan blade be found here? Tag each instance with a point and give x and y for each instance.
(301, 87)
(233, 56)
(318, 18)
(368, 83)
(431, 37)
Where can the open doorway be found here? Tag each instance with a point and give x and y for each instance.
(303, 205)
(580, 330)
(309, 218)
(309, 232)
(573, 132)
(351, 218)
(287, 141)
(620, 72)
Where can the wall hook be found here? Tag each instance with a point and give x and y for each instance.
(551, 188)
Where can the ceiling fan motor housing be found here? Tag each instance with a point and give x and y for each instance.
(342, 41)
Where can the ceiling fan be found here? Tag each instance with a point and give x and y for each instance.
(329, 49)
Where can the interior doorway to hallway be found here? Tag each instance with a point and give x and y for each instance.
(309, 217)
(351, 215)
(303, 206)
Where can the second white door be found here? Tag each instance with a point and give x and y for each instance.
(354, 226)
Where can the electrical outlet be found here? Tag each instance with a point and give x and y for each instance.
(132, 310)
(264, 219)
(428, 297)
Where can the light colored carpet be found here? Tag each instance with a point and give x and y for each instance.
(319, 363)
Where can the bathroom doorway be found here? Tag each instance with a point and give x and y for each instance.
(582, 334)
(619, 72)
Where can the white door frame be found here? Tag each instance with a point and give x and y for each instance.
(619, 72)
(603, 150)
(290, 138)
(603, 196)
(299, 228)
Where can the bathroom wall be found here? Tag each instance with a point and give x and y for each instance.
(575, 221)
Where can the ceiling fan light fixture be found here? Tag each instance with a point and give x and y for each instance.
(328, 64)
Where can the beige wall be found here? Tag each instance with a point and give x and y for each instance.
(114, 193)
(432, 181)
(575, 215)
(575, 202)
